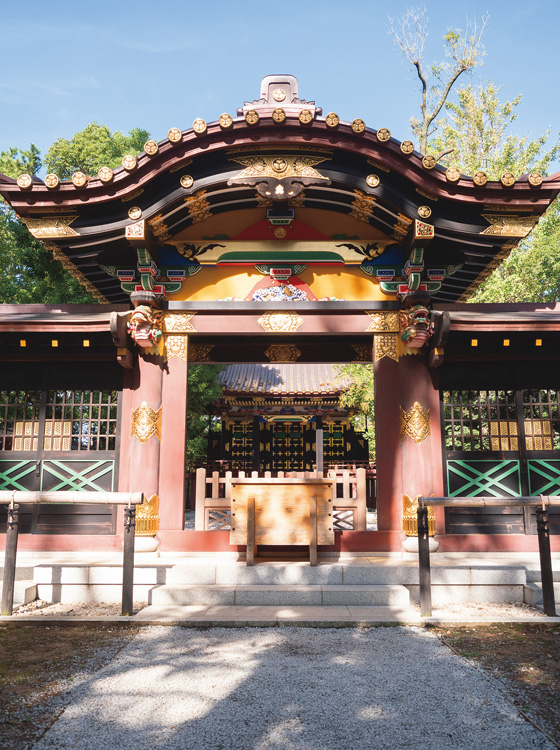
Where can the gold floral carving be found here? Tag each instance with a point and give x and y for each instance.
(386, 345)
(429, 196)
(175, 328)
(146, 423)
(383, 322)
(509, 226)
(178, 323)
(200, 352)
(51, 227)
(198, 206)
(362, 206)
(410, 517)
(283, 353)
(277, 322)
(415, 423)
(147, 517)
(378, 165)
(175, 345)
(180, 164)
(132, 196)
(364, 352)
(285, 165)
(75, 272)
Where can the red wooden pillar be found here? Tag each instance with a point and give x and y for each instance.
(173, 442)
(145, 425)
(416, 426)
(387, 442)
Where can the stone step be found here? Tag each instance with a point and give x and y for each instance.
(24, 592)
(263, 616)
(279, 595)
(533, 596)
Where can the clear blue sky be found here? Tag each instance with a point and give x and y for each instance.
(160, 65)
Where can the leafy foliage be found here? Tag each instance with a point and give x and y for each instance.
(463, 52)
(203, 388)
(359, 396)
(92, 148)
(477, 126)
(14, 162)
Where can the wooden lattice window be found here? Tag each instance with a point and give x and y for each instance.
(80, 421)
(541, 419)
(19, 420)
(480, 420)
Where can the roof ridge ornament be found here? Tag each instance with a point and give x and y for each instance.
(280, 90)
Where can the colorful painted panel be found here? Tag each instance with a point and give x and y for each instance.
(18, 475)
(544, 476)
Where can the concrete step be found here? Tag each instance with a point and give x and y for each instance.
(263, 616)
(279, 595)
(24, 592)
(532, 594)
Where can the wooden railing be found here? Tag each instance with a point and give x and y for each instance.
(213, 496)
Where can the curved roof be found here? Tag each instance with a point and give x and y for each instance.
(233, 165)
(282, 379)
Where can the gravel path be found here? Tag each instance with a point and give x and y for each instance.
(287, 688)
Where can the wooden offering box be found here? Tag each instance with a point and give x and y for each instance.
(281, 511)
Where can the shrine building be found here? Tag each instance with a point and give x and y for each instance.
(281, 234)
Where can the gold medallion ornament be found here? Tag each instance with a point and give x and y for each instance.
(279, 95)
(507, 179)
(105, 174)
(187, 181)
(407, 147)
(282, 353)
(52, 181)
(332, 120)
(480, 178)
(175, 135)
(372, 180)
(129, 162)
(145, 423)
(226, 121)
(199, 126)
(453, 174)
(535, 179)
(277, 322)
(279, 164)
(415, 423)
(358, 125)
(151, 148)
(424, 212)
(79, 179)
(429, 161)
(135, 213)
(305, 116)
(24, 181)
(252, 117)
(383, 134)
(278, 115)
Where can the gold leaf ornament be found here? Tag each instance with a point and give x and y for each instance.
(146, 423)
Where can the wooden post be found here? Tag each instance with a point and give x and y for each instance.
(10, 560)
(319, 445)
(424, 562)
(313, 559)
(200, 496)
(361, 500)
(256, 442)
(128, 561)
(547, 578)
(250, 531)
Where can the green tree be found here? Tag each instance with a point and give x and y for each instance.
(359, 398)
(14, 162)
(477, 128)
(463, 52)
(531, 273)
(92, 148)
(203, 388)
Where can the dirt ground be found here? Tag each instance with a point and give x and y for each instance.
(39, 663)
(525, 658)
